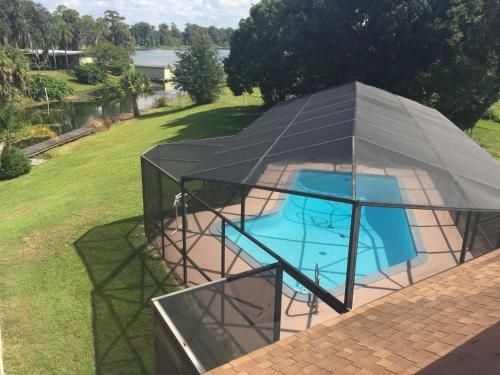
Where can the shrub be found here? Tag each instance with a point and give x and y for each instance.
(13, 163)
(56, 88)
(112, 58)
(91, 74)
(493, 113)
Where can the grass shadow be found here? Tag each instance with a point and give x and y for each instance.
(126, 274)
(213, 123)
(165, 111)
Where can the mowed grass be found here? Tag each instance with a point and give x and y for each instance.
(487, 134)
(76, 275)
(68, 77)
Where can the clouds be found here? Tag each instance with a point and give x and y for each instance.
(220, 13)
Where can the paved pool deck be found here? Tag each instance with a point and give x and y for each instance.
(437, 240)
(447, 324)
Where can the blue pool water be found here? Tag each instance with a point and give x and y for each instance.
(309, 231)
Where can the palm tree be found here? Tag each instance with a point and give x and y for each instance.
(135, 84)
(66, 39)
(14, 127)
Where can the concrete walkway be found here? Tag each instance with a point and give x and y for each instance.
(450, 321)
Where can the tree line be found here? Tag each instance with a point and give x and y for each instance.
(29, 25)
(443, 53)
(146, 35)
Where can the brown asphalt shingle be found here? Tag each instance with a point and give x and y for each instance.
(450, 320)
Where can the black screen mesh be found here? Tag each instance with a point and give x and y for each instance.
(225, 320)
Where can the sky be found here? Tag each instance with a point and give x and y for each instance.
(220, 13)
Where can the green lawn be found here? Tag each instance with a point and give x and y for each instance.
(75, 273)
(487, 134)
(66, 75)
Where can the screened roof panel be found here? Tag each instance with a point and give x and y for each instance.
(322, 121)
(404, 145)
(396, 151)
(180, 158)
(279, 170)
(233, 156)
(312, 137)
(418, 182)
(330, 109)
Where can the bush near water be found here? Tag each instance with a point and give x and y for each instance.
(13, 163)
(56, 88)
(91, 74)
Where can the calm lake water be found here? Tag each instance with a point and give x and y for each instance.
(162, 57)
(66, 116)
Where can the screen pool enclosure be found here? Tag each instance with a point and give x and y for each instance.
(319, 187)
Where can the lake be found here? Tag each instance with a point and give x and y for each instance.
(163, 57)
(66, 116)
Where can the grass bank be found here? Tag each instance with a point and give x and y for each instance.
(487, 134)
(76, 274)
(68, 77)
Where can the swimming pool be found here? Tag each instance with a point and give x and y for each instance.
(309, 231)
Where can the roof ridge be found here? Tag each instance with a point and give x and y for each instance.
(277, 139)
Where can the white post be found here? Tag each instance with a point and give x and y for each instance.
(47, 98)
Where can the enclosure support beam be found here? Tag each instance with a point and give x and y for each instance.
(184, 228)
(223, 250)
(277, 302)
(465, 240)
(243, 199)
(474, 225)
(351, 257)
(162, 224)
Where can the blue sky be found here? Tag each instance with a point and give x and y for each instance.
(221, 13)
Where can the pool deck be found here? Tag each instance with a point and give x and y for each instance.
(447, 324)
(437, 240)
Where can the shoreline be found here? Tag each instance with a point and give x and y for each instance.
(81, 96)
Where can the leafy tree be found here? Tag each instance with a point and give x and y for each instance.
(135, 84)
(198, 71)
(176, 33)
(92, 31)
(443, 53)
(56, 88)
(111, 57)
(145, 34)
(192, 32)
(119, 33)
(14, 73)
(71, 33)
(166, 35)
(219, 37)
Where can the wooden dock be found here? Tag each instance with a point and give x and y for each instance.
(58, 141)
